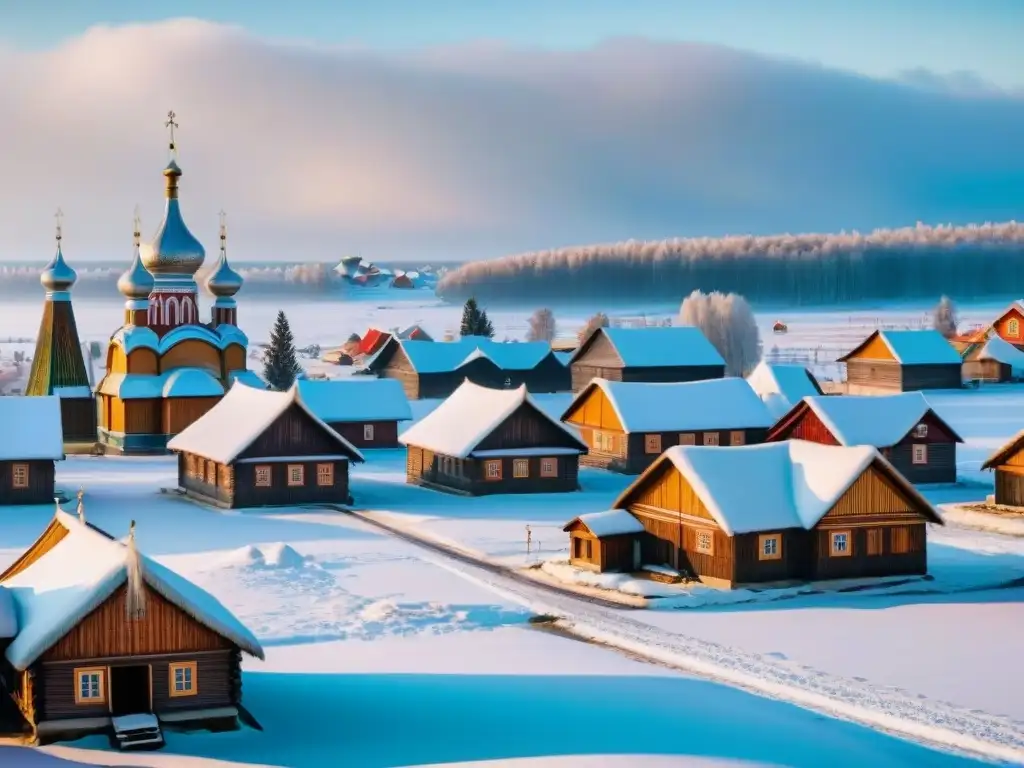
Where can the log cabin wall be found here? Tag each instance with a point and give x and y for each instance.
(180, 412)
(585, 550)
(79, 417)
(942, 376)
(246, 493)
(293, 433)
(987, 370)
(1010, 486)
(677, 373)
(792, 560)
(618, 553)
(581, 374)
(527, 427)
(27, 482)
(206, 478)
(565, 479)
(599, 360)
(384, 433)
(876, 374)
(607, 449)
(397, 366)
(638, 457)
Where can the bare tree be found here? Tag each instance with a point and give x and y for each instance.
(729, 324)
(542, 326)
(600, 320)
(945, 319)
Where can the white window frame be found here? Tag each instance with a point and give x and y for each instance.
(919, 454)
(368, 432)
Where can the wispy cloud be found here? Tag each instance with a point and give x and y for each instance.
(479, 150)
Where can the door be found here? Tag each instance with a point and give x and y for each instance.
(131, 690)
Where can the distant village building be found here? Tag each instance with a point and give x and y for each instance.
(770, 512)
(365, 411)
(903, 361)
(651, 354)
(992, 360)
(259, 448)
(414, 333)
(904, 427)
(608, 541)
(165, 368)
(107, 640)
(1009, 326)
(781, 386)
(486, 441)
(1008, 464)
(627, 425)
(372, 341)
(58, 365)
(436, 369)
(31, 440)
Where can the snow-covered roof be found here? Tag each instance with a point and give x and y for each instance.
(31, 428)
(361, 398)
(82, 571)
(924, 346)
(470, 414)
(242, 415)
(782, 386)
(790, 484)
(878, 420)
(563, 357)
(611, 522)
(178, 382)
(658, 346)
(247, 377)
(1000, 350)
(73, 393)
(728, 403)
(190, 382)
(132, 337)
(446, 356)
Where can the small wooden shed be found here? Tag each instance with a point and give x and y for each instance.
(487, 441)
(1008, 464)
(903, 361)
(31, 441)
(364, 410)
(605, 541)
(993, 360)
(258, 448)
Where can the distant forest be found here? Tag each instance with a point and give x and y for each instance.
(972, 261)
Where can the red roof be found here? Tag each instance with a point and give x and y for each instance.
(372, 341)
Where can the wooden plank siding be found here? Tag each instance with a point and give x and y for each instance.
(40, 487)
(385, 433)
(78, 418)
(991, 371)
(1010, 486)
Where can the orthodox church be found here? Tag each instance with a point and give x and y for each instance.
(164, 368)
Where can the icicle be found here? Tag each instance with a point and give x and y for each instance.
(135, 600)
(81, 506)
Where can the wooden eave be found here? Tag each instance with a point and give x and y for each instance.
(1006, 452)
(859, 347)
(582, 349)
(788, 422)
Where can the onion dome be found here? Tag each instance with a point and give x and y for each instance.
(137, 282)
(57, 276)
(174, 250)
(223, 281)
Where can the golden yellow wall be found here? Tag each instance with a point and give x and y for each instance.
(234, 358)
(192, 353)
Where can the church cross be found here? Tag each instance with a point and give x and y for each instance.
(171, 125)
(59, 216)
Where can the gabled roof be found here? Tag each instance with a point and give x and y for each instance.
(791, 484)
(372, 341)
(30, 428)
(415, 332)
(80, 572)
(657, 346)
(781, 386)
(360, 398)
(1009, 449)
(877, 420)
(611, 522)
(998, 349)
(449, 356)
(924, 346)
(242, 415)
(728, 403)
(471, 413)
(57, 361)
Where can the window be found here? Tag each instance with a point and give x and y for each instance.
(900, 540)
(769, 546)
(211, 473)
(521, 468)
(325, 475)
(296, 474)
(263, 476)
(652, 443)
(183, 679)
(736, 437)
(190, 465)
(19, 475)
(604, 442)
(577, 548)
(706, 542)
(590, 549)
(492, 469)
(368, 432)
(874, 541)
(920, 453)
(711, 438)
(687, 438)
(921, 430)
(90, 686)
(841, 545)
(549, 467)
(1013, 327)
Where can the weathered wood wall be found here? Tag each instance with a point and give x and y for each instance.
(385, 433)
(1010, 486)
(919, 377)
(78, 418)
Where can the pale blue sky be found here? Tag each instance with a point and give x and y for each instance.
(874, 37)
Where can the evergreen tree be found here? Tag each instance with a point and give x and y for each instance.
(280, 366)
(475, 321)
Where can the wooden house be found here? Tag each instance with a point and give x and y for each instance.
(108, 640)
(486, 441)
(259, 448)
(651, 354)
(904, 427)
(414, 333)
(430, 369)
(363, 410)
(628, 424)
(402, 281)
(903, 361)
(372, 341)
(782, 386)
(31, 441)
(993, 360)
(606, 541)
(778, 512)
(1008, 464)
(1009, 326)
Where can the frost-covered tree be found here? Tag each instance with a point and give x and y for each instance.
(945, 319)
(475, 321)
(600, 320)
(542, 326)
(728, 323)
(280, 365)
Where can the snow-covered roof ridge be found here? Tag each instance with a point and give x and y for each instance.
(460, 423)
(920, 346)
(80, 572)
(242, 415)
(657, 346)
(611, 522)
(448, 356)
(878, 420)
(727, 403)
(357, 399)
(999, 349)
(789, 484)
(781, 386)
(31, 428)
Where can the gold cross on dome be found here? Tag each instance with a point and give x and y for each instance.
(137, 227)
(223, 228)
(59, 216)
(171, 125)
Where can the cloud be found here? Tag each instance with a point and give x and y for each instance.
(478, 150)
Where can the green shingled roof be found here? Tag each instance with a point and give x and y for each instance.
(58, 360)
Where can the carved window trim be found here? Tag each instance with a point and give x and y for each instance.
(97, 681)
(184, 684)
